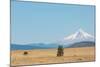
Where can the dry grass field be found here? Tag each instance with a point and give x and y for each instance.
(48, 56)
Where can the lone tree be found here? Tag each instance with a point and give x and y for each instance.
(60, 51)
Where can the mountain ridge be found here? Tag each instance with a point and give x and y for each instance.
(50, 46)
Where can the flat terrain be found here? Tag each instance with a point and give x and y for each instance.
(48, 56)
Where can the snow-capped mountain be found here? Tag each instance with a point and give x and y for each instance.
(78, 36)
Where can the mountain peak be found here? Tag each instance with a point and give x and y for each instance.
(79, 35)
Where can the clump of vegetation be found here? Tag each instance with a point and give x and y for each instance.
(60, 51)
(80, 59)
(25, 53)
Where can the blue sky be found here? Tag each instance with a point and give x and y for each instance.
(47, 23)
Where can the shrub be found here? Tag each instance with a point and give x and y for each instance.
(25, 53)
(60, 51)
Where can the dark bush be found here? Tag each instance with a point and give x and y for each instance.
(25, 53)
(60, 51)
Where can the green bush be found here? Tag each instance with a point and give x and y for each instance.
(60, 51)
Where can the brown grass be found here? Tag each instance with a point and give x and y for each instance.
(48, 56)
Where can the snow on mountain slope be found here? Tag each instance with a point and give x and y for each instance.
(78, 36)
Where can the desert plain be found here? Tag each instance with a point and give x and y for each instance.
(48, 56)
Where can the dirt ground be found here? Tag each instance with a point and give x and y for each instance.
(48, 56)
